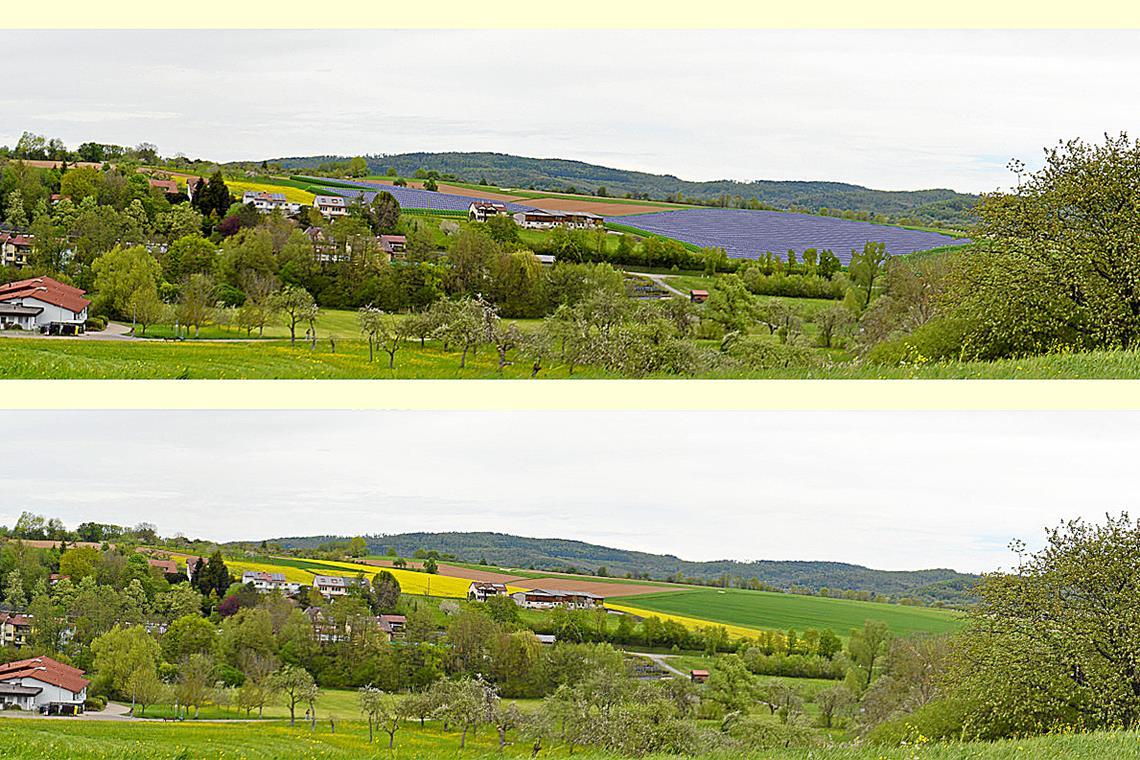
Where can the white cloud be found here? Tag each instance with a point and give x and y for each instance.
(892, 490)
(887, 109)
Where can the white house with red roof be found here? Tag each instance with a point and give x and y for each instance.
(43, 304)
(43, 684)
(15, 247)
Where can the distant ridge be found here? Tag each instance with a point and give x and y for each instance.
(555, 554)
(555, 174)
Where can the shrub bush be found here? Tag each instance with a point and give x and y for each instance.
(95, 704)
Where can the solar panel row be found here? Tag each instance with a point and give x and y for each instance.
(749, 234)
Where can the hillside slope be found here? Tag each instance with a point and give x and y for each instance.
(503, 550)
(556, 174)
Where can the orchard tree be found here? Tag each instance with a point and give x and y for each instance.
(294, 684)
(295, 305)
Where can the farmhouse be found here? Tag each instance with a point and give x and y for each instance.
(330, 206)
(43, 304)
(43, 684)
(479, 591)
(392, 625)
(168, 186)
(15, 629)
(15, 248)
(537, 219)
(167, 566)
(479, 211)
(394, 245)
(538, 598)
(267, 203)
(269, 582)
(335, 585)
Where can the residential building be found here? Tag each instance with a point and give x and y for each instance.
(167, 566)
(324, 247)
(545, 599)
(392, 625)
(480, 591)
(15, 629)
(394, 245)
(168, 186)
(43, 684)
(269, 582)
(15, 247)
(537, 219)
(330, 206)
(336, 585)
(267, 203)
(479, 211)
(46, 305)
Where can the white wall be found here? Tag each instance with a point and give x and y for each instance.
(51, 692)
(51, 312)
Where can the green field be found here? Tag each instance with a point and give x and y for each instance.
(48, 358)
(37, 738)
(774, 611)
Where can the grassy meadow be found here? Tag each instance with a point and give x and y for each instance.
(36, 738)
(774, 611)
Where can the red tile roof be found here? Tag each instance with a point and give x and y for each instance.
(166, 565)
(168, 185)
(47, 290)
(47, 670)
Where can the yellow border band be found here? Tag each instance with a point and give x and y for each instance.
(634, 395)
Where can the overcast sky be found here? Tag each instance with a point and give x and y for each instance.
(886, 109)
(892, 490)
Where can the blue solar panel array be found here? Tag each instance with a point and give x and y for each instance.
(745, 234)
(409, 197)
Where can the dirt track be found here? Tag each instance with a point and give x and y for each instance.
(593, 207)
(451, 571)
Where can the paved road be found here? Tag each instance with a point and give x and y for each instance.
(113, 711)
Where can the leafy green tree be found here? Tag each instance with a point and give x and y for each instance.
(866, 270)
(1055, 642)
(730, 305)
(119, 652)
(196, 302)
(188, 635)
(866, 649)
(144, 688)
(120, 275)
(730, 685)
(385, 592)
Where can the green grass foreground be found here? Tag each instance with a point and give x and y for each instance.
(61, 358)
(33, 739)
(762, 609)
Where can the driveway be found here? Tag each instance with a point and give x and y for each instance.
(660, 281)
(113, 711)
(662, 661)
(113, 331)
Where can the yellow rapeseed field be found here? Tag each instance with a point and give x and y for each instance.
(688, 622)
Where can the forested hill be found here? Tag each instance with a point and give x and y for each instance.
(553, 554)
(555, 174)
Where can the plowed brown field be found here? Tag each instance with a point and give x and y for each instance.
(593, 207)
(601, 588)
